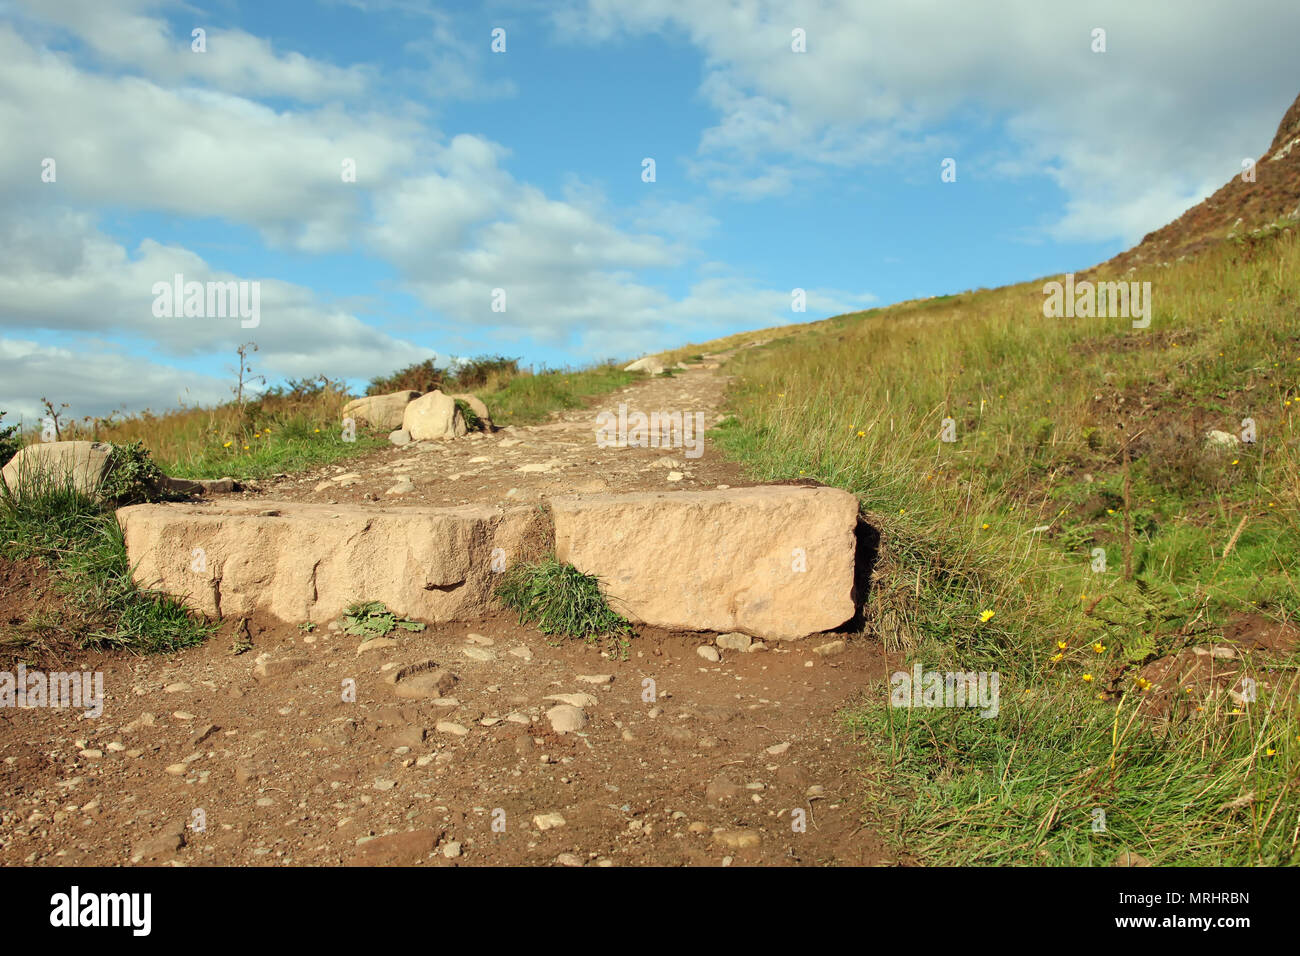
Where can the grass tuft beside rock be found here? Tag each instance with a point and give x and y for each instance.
(560, 600)
(80, 541)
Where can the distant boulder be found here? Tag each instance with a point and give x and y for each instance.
(433, 417)
(380, 411)
(648, 364)
(83, 464)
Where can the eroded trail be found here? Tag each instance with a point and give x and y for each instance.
(525, 464)
(313, 758)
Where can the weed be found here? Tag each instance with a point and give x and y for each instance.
(374, 619)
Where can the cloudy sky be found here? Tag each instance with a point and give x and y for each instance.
(131, 152)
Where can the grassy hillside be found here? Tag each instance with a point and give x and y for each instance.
(296, 426)
(988, 554)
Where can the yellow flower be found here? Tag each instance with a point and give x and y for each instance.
(986, 616)
(1142, 683)
(1099, 647)
(862, 434)
(318, 431)
(1235, 460)
(1269, 752)
(227, 444)
(985, 526)
(1110, 511)
(1087, 678)
(902, 511)
(1057, 658)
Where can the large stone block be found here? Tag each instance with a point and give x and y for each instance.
(306, 562)
(775, 561)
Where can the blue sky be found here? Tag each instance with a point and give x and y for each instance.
(522, 170)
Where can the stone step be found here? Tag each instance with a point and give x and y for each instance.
(301, 561)
(776, 562)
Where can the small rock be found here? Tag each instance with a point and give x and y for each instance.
(574, 700)
(830, 649)
(734, 641)
(548, 821)
(565, 718)
(375, 644)
(479, 653)
(451, 850)
(449, 727)
(400, 437)
(596, 678)
(737, 839)
(709, 653)
(569, 859)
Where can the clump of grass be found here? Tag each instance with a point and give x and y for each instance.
(74, 535)
(374, 619)
(472, 421)
(560, 600)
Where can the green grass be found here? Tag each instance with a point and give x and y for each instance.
(297, 445)
(561, 601)
(81, 542)
(531, 398)
(1005, 520)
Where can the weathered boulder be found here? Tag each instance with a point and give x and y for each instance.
(648, 364)
(306, 562)
(433, 417)
(480, 408)
(85, 464)
(774, 562)
(380, 411)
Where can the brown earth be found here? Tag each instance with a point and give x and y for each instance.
(682, 760)
(1235, 210)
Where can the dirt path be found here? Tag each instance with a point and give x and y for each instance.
(524, 464)
(682, 760)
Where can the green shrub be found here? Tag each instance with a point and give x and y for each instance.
(10, 441)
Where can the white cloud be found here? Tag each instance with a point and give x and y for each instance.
(93, 381)
(1128, 134)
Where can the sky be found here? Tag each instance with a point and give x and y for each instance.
(574, 180)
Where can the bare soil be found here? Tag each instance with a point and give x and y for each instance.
(682, 761)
